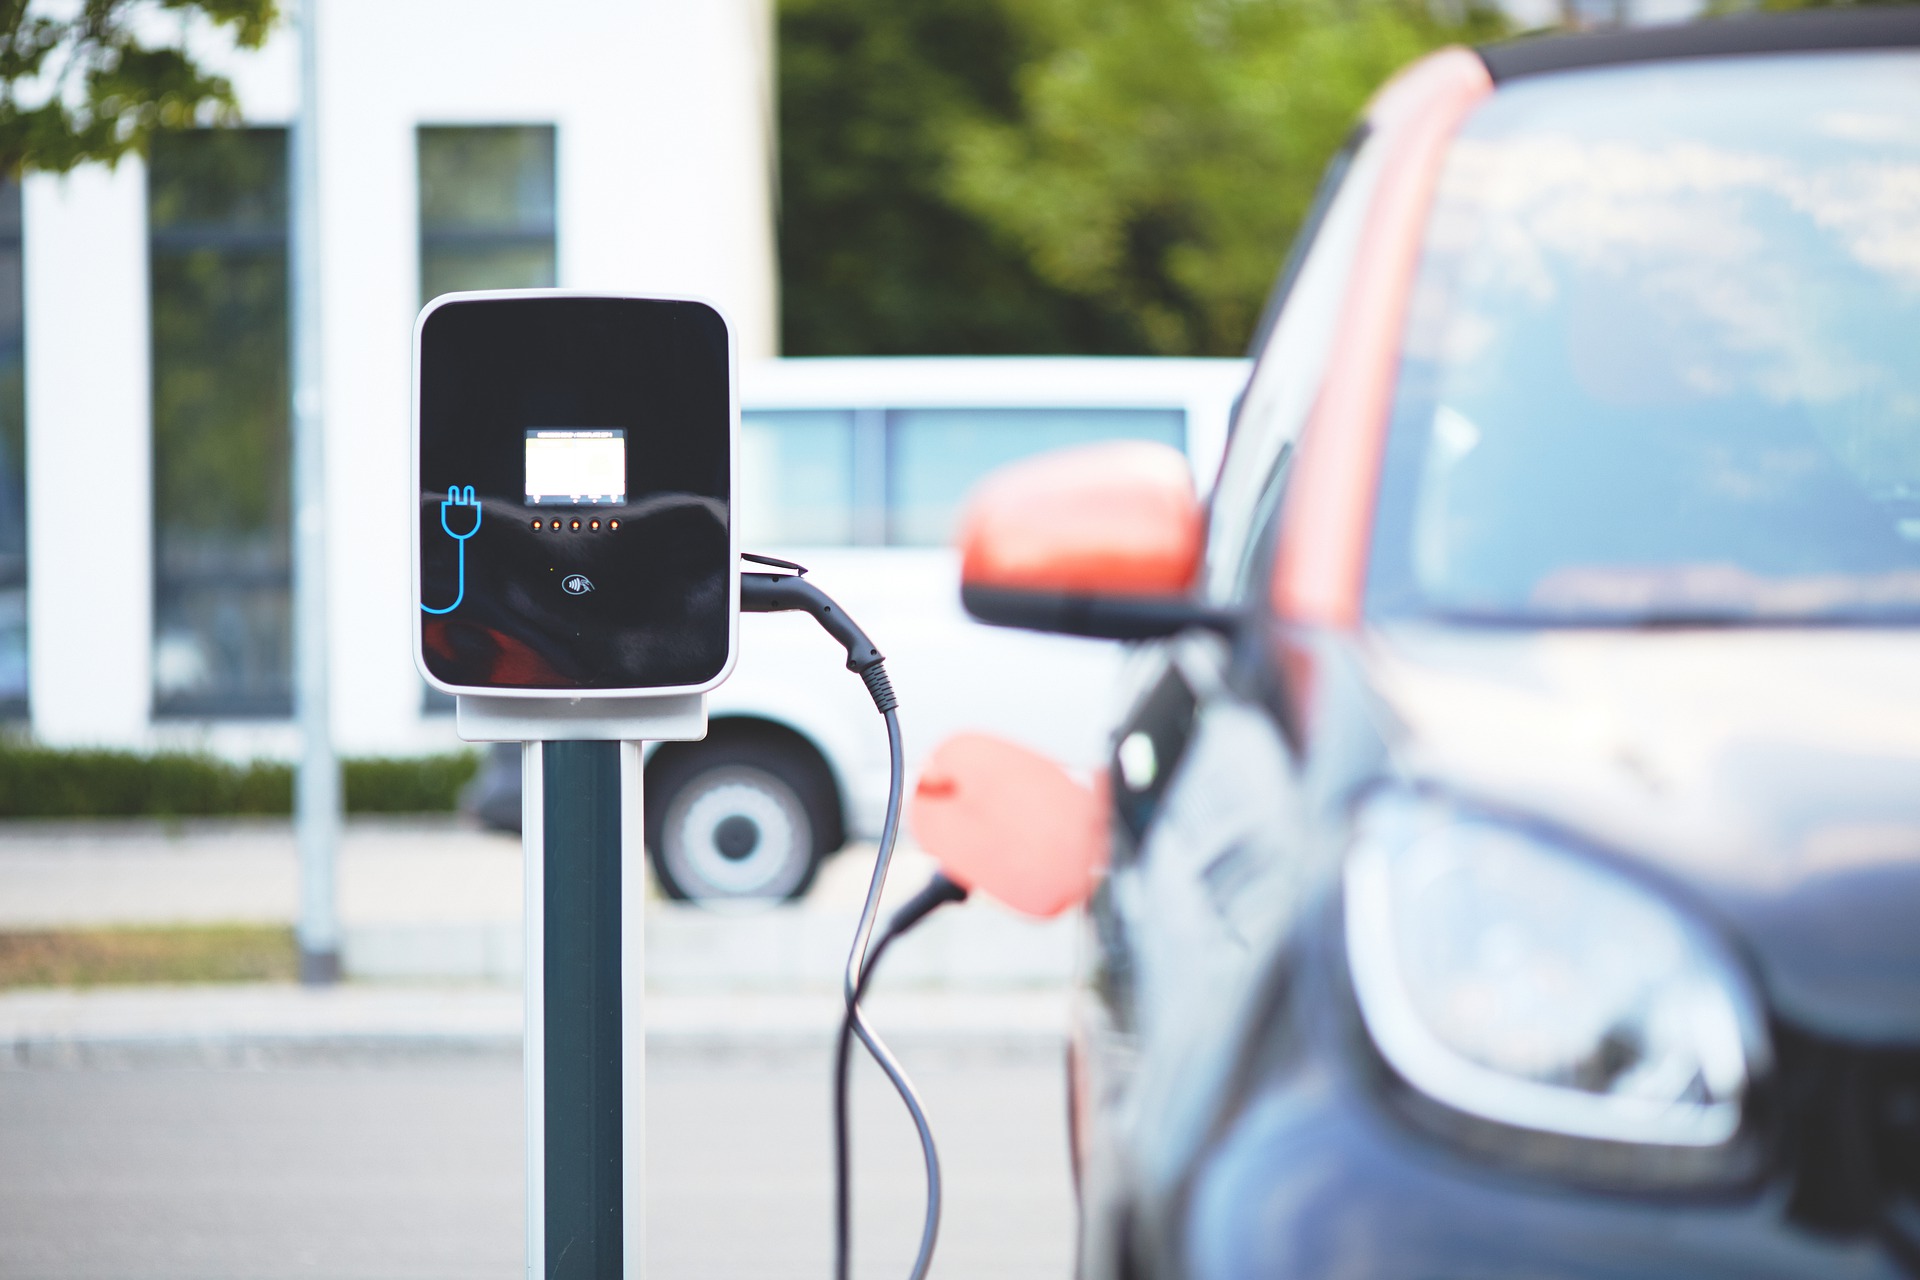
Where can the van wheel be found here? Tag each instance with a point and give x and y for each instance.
(740, 818)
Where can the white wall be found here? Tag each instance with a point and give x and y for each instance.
(89, 498)
(663, 116)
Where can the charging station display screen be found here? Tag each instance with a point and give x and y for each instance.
(574, 529)
(576, 468)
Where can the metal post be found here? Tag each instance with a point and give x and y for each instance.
(585, 1047)
(316, 805)
(633, 1002)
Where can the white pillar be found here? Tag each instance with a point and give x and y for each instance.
(89, 456)
(369, 229)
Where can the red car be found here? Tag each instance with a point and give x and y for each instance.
(1512, 845)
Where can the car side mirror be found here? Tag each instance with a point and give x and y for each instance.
(1010, 823)
(1102, 540)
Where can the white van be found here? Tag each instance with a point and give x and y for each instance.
(856, 469)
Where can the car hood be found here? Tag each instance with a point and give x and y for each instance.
(1772, 775)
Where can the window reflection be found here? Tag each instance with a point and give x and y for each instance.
(217, 218)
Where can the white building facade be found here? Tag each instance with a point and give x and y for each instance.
(620, 144)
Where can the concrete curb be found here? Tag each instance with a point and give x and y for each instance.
(267, 1025)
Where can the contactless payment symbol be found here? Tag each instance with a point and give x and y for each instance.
(576, 584)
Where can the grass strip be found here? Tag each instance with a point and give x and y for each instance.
(164, 954)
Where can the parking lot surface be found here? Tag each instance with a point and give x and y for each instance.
(409, 1166)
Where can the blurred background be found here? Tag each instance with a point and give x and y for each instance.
(865, 178)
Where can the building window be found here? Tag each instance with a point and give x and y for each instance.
(487, 221)
(898, 477)
(486, 208)
(13, 463)
(217, 227)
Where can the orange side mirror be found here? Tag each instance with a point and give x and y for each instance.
(1100, 540)
(1010, 823)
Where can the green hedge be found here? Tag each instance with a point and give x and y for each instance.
(425, 784)
(41, 782)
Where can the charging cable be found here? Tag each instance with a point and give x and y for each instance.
(938, 893)
(458, 497)
(790, 591)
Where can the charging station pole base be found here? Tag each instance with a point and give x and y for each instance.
(585, 866)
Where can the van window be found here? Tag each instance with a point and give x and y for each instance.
(796, 478)
(936, 455)
(806, 474)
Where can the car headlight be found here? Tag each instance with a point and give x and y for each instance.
(1531, 986)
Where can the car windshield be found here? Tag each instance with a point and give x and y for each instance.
(1663, 357)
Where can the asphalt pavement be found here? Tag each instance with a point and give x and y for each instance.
(408, 1166)
(262, 1131)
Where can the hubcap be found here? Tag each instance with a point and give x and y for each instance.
(737, 832)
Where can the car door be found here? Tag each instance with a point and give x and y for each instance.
(1207, 874)
(1208, 867)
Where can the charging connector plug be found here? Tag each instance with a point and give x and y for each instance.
(938, 893)
(790, 592)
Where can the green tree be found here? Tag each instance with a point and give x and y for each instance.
(875, 255)
(81, 83)
(1064, 175)
(1165, 151)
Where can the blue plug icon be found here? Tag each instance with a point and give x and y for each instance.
(464, 500)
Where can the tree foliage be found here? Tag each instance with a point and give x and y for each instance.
(876, 257)
(1064, 175)
(1167, 150)
(89, 81)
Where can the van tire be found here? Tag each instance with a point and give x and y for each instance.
(742, 816)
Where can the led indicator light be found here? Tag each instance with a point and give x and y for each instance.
(613, 524)
(576, 526)
(536, 526)
(593, 524)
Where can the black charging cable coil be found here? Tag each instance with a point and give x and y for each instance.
(938, 892)
(791, 592)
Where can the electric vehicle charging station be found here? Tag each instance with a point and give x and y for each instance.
(577, 590)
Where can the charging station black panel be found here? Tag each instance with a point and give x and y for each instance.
(574, 493)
